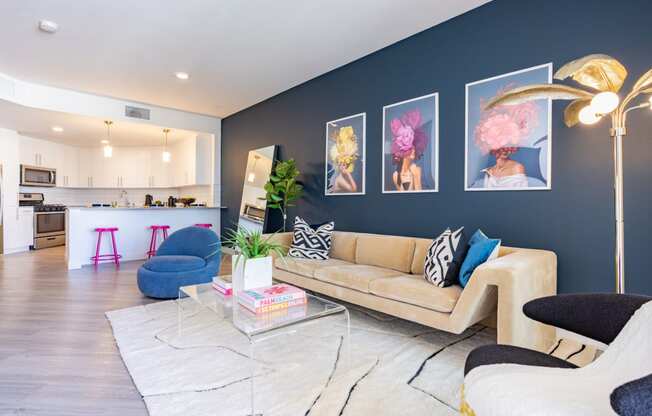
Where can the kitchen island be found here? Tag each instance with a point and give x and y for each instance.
(133, 237)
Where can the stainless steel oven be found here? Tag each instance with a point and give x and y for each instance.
(49, 229)
(254, 213)
(37, 176)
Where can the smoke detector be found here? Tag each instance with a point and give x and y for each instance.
(48, 26)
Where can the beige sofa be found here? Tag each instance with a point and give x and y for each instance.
(385, 273)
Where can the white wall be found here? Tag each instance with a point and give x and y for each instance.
(9, 148)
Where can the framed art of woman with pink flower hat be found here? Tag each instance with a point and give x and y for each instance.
(411, 145)
(508, 147)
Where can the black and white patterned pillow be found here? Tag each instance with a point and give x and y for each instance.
(444, 258)
(309, 243)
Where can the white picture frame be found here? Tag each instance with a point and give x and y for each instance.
(331, 184)
(431, 151)
(471, 116)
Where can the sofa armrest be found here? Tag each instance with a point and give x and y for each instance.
(517, 277)
(283, 239)
(633, 398)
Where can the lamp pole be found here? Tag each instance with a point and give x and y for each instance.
(618, 131)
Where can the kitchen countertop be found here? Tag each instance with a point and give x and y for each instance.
(140, 208)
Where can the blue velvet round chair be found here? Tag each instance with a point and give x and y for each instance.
(189, 256)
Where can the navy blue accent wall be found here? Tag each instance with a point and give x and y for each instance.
(575, 219)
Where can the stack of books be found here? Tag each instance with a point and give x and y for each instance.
(222, 286)
(271, 298)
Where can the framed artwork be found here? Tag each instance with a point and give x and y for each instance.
(345, 156)
(411, 145)
(508, 148)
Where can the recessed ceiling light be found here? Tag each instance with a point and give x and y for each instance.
(57, 129)
(182, 75)
(48, 26)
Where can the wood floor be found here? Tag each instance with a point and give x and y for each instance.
(57, 352)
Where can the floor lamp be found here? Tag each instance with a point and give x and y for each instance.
(605, 76)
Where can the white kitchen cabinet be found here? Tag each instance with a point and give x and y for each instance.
(19, 229)
(129, 167)
(25, 226)
(68, 170)
(93, 169)
(191, 160)
(134, 167)
(159, 171)
(42, 153)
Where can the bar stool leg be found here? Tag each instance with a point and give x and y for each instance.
(97, 248)
(116, 258)
(151, 244)
(152, 249)
(165, 234)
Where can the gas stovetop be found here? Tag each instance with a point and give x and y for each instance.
(49, 208)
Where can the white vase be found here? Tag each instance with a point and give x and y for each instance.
(252, 273)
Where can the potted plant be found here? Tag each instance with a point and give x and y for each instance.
(282, 188)
(252, 264)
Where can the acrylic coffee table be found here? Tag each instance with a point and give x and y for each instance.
(258, 328)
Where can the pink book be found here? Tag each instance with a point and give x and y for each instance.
(225, 292)
(276, 306)
(254, 299)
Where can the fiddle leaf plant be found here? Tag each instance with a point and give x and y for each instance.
(282, 188)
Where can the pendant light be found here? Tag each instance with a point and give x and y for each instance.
(166, 156)
(108, 149)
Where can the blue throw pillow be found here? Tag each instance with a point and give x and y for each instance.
(481, 249)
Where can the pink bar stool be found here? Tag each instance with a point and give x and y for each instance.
(152, 242)
(115, 257)
(204, 225)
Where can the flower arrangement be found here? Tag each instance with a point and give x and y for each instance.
(504, 128)
(408, 136)
(345, 151)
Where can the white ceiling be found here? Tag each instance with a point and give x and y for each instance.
(81, 130)
(238, 52)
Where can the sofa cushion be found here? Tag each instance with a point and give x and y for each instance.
(356, 276)
(306, 267)
(174, 263)
(388, 252)
(420, 250)
(415, 290)
(343, 246)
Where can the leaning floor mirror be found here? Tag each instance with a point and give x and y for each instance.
(253, 208)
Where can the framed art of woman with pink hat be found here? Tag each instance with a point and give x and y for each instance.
(411, 145)
(508, 147)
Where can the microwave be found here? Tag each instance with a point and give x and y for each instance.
(37, 176)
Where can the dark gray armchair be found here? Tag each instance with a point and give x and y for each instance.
(597, 316)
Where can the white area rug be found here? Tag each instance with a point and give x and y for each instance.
(393, 367)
